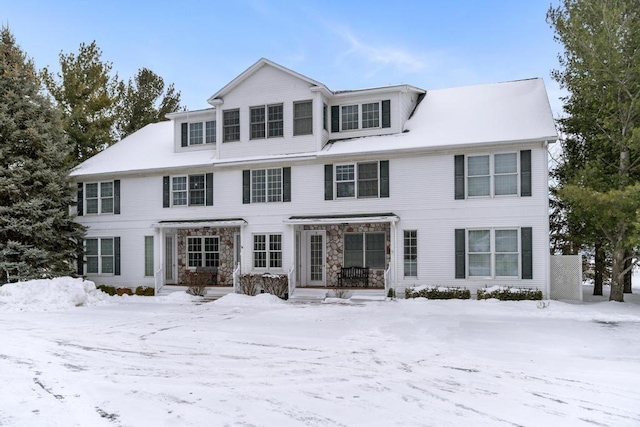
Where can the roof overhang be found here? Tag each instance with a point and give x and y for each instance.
(344, 219)
(201, 223)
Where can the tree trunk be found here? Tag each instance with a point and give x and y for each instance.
(617, 276)
(599, 269)
(627, 276)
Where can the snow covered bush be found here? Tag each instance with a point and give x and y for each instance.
(275, 284)
(146, 291)
(110, 290)
(437, 292)
(249, 284)
(196, 283)
(509, 293)
(123, 291)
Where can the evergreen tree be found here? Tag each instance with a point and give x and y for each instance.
(144, 100)
(38, 238)
(600, 67)
(86, 94)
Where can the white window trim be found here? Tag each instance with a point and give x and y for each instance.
(99, 197)
(355, 180)
(225, 127)
(203, 142)
(492, 252)
(99, 256)
(306, 101)
(265, 185)
(360, 116)
(188, 190)
(364, 247)
(404, 253)
(267, 251)
(492, 175)
(152, 240)
(202, 252)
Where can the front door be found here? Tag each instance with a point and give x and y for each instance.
(315, 258)
(170, 256)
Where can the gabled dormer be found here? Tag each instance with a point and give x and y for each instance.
(194, 130)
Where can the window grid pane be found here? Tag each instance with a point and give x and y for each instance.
(91, 198)
(260, 251)
(194, 252)
(195, 133)
(480, 253)
(106, 197)
(345, 181)
(303, 118)
(353, 250)
(411, 253)
(375, 253)
(368, 179)
(211, 252)
(506, 174)
(371, 115)
(349, 117)
(196, 190)
(506, 243)
(257, 116)
(478, 176)
(275, 251)
(148, 255)
(231, 126)
(210, 132)
(179, 190)
(258, 186)
(274, 185)
(275, 121)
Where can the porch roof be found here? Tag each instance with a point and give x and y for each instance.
(345, 218)
(212, 223)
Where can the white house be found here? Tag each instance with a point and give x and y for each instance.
(283, 175)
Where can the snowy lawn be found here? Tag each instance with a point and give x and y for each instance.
(258, 361)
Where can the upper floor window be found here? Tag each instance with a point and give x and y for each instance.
(357, 180)
(361, 116)
(198, 133)
(503, 168)
(266, 185)
(188, 190)
(99, 197)
(266, 121)
(350, 117)
(303, 118)
(325, 113)
(231, 125)
(371, 115)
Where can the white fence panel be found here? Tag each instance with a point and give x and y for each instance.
(566, 277)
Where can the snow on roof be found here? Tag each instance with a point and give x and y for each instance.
(465, 116)
(149, 148)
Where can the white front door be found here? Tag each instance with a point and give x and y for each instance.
(170, 259)
(315, 257)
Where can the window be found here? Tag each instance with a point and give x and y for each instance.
(364, 250)
(410, 253)
(148, 255)
(210, 132)
(505, 175)
(231, 125)
(350, 117)
(266, 185)
(99, 197)
(371, 115)
(195, 133)
(267, 251)
(364, 174)
(188, 190)
(325, 117)
(303, 118)
(203, 251)
(266, 121)
(99, 253)
(497, 258)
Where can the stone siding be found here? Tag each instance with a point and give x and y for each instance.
(225, 269)
(335, 249)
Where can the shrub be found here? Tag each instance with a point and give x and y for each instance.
(437, 292)
(391, 293)
(249, 284)
(196, 283)
(341, 293)
(146, 291)
(275, 284)
(122, 291)
(111, 290)
(509, 293)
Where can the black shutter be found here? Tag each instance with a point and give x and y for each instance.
(460, 254)
(116, 197)
(286, 184)
(80, 198)
(384, 178)
(208, 191)
(166, 200)
(527, 252)
(116, 256)
(246, 186)
(335, 118)
(184, 140)
(459, 177)
(80, 261)
(386, 113)
(525, 173)
(328, 182)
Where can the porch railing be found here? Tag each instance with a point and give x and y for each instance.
(386, 277)
(291, 280)
(236, 278)
(157, 280)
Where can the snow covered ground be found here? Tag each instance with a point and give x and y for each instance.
(70, 356)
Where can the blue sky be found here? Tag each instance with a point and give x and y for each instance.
(201, 45)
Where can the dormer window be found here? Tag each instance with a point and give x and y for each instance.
(198, 133)
(370, 115)
(266, 121)
(231, 125)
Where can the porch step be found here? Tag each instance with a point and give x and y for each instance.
(318, 295)
(213, 293)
